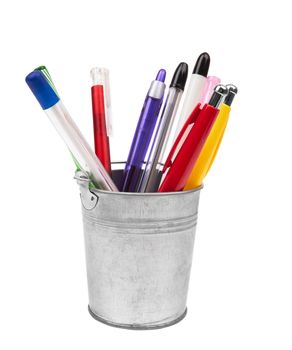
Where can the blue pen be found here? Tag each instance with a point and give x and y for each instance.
(143, 133)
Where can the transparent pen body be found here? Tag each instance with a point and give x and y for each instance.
(78, 146)
(161, 143)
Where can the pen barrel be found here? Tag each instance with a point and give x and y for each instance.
(101, 139)
(209, 150)
(140, 144)
(160, 143)
(180, 170)
(79, 147)
(193, 96)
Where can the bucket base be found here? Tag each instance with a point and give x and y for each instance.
(137, 326)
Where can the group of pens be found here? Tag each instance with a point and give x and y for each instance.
(194, 143)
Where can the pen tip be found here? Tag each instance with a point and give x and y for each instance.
(202, 65)
(180, 76)
(161, 75)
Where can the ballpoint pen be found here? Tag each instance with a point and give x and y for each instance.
(143, 133)
(198, 127)
(195, 89)
(152, 174)
(61, 119)
(101, 109)
(212, 144)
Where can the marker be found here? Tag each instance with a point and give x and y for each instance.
(143, 133)
(197, 127)
(61, 119)
(213, 142)
(153, 170)
(195, 89)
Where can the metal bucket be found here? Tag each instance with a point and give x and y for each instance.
(139, 251)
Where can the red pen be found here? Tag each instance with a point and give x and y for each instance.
(101, 115)
(197, 127)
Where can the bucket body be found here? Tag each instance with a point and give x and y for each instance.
(139, 251)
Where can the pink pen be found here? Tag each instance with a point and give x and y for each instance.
(210, 84)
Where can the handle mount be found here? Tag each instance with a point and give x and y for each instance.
(88, 198)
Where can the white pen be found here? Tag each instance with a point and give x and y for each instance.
(194, 90)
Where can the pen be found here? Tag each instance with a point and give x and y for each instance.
(152, 174)
(61, 119)
(143, 133)
(47, 75)
(225, 109)
(195, 89)
(101, 109)
(212, 144)
(198, 126)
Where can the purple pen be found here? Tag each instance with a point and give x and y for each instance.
(143, 133)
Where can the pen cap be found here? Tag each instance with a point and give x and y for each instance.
(210, 84)
(42, 90)
(100, 76)
(157, 86)
(180, 76)
(202, 65)
(47, 75)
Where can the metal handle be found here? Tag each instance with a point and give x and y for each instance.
(88, 198)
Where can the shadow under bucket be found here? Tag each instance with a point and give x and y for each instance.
(139, 249)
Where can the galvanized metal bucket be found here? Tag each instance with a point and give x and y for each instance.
(139, 251)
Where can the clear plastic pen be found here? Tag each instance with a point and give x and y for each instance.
(152, 174)
(68, 130)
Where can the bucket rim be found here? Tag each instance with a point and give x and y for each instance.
(139, 194)
(147, 194)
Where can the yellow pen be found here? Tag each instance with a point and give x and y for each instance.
(213, 142)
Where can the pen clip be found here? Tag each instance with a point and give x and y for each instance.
(107, 103)
(191, 120)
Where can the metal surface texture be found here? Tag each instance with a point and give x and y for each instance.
(139, 251)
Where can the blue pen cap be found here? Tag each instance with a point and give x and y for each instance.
(42, 90)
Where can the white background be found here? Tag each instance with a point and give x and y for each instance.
(240, 292)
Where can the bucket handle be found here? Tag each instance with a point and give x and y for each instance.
(88, 199)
